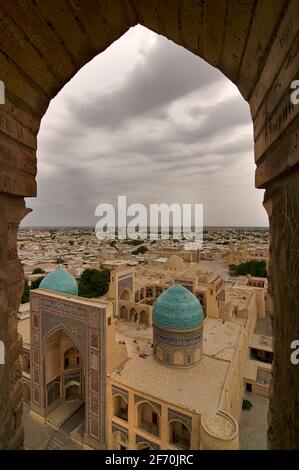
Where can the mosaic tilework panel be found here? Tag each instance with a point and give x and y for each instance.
(125, 282)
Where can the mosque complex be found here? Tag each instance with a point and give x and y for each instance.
(162, 361)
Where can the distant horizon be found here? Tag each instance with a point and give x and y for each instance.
(91, 227)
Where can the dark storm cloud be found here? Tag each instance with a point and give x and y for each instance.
(160, 148)
(135, 139)
(221, 116)
(166, 73)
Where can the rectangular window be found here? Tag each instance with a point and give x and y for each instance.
(189, 358)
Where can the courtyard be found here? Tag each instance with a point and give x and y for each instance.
(253, 423)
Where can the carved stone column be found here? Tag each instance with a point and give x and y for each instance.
(12, 211)
(282, 205)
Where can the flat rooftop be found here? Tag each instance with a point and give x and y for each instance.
(262, 342)
(174, 385)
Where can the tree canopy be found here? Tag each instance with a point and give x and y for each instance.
(38, 271)
(26, 293)
(257, 268)
(140, 250)
(93, 283)
(34, 285)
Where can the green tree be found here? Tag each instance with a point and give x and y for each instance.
(60, 261)
(26, 293)
(34, 285)
(246, 405)
(140, 250)
(36, 282)
(38, 271)
(257, 268)
(93, 283)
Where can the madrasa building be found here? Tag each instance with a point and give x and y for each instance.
(170, 378)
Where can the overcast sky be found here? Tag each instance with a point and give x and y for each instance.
(149, 120)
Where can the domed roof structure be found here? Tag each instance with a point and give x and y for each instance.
(60, 280)
(177, 308)
(175, 263)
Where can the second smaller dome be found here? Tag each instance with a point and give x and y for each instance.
(60, 280)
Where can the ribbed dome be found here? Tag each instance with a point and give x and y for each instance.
(177, 308)
(60, 280)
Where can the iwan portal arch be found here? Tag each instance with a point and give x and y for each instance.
(255, 44)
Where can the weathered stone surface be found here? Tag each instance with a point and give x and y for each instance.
(255, 44)
(288, 72)
(12, 210)
(284, 275)
(287, 32)
(279, 158)
(265, 20)
(213, 30)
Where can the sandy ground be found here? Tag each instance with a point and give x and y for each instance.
(42, 436)
(253, 423)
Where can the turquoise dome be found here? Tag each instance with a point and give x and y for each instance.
(60, 280)
(177, 308)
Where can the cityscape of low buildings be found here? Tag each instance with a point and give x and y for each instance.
(166, 359)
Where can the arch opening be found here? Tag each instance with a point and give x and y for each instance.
(126, 295)
(179, 435)
(148, 418)
(120, 407)
(64, 381)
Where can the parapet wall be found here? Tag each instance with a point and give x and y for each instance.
(219, 432)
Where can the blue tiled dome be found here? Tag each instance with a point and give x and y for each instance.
(60, 280)
(177, 308)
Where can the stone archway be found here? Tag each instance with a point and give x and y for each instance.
(148, 418)
(179, 434)
(126, 294)
(123, 313)
(144, 320)
(120, 407)
(44, 45)
(133, 315)
(64, 370)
